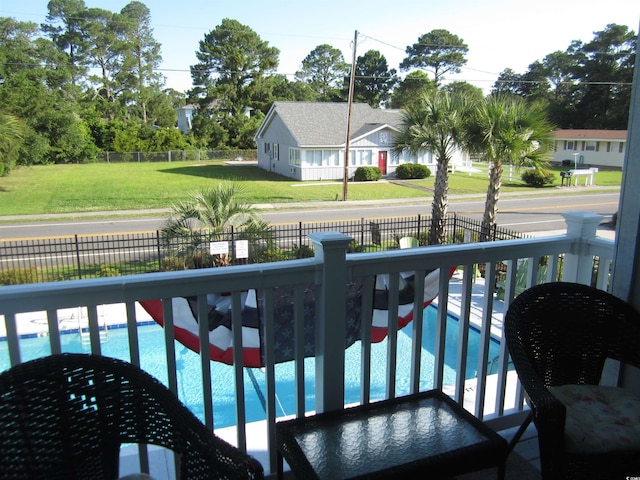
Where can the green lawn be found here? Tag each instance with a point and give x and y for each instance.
(131, 186)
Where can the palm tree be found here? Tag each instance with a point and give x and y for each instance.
(12, 132)
(505, 129)
(208, 213)
(434, 124)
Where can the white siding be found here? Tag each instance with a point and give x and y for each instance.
(602, 153)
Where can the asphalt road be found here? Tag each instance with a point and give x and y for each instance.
(525, 214)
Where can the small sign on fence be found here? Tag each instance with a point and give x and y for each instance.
(242, 248)
(219, 248)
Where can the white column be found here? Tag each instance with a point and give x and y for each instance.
(578, 265)
(330, 329)
(626, 265)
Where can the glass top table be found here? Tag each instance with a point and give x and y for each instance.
(422, 434)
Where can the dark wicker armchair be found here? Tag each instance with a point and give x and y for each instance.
(559, 336)
(66, 416)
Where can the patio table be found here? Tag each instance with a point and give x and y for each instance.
(426, 435)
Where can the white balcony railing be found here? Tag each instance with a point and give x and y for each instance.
(493, 395)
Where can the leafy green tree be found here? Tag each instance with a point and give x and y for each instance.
(64, 20)
(128, 137)
(473, 93)
(586, 86)
(325, 70)
(374, 80)
(605, 67)
(508, 82)
(37, 87)
(438, 51)
(241, 129)
(166, 138)
(208, 130)
(231, 58)
(227, 80)
(162, 108)
(102, 50)
(506, 129)
(141, 58)
(283, 89)
(277, 87)
(436, 124)
(414, 86)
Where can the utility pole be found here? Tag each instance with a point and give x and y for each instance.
(345, 179)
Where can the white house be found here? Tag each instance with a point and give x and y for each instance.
(599, 148)
(307, 140)
(185, 115)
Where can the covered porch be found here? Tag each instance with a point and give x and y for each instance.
(493, 395)
(466, 305)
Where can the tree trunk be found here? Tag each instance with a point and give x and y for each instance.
(440, 203)
(491, 204)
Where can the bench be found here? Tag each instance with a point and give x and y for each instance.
(587, 173)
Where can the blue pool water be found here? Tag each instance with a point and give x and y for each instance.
(152, 354)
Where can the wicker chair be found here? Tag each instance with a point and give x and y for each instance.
(559, 334)
(65, 417)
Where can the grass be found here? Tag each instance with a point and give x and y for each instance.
(135, 186)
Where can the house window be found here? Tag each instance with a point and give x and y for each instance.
(570, 145)
(321, 158)
(590, 146)
(608, 146)
(313, 158)
(294, 156)
(621, 148)
(276, 151)
(360, 157)
(366, 157)
(330, 158)
(267, 147)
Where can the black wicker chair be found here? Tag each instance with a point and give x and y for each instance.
(65, 417)
(561, 334)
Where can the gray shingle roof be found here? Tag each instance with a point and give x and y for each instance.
(322, 123)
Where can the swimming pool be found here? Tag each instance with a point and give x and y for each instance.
(152, 354)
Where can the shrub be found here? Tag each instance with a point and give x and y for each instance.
(367, 174)
(18, 276)
(412, 170)
(355, 247)
(272, 254)
(108, 271)
(538, 177)
(303, 251)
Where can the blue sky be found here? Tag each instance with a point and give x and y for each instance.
(499, 33)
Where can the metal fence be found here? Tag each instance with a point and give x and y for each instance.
(179, 156)
(90, 256)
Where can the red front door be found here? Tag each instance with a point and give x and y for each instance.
(382, 161)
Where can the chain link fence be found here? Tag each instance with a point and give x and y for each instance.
(179, 156)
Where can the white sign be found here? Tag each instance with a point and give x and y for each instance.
(242, 248)
(219, 248)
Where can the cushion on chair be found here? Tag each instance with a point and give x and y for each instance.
(599, 419)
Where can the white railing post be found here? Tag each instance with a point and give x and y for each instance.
(330, 249)
(578, 264)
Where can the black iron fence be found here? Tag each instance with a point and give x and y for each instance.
(90, 256)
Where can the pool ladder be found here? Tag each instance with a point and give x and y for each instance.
(83, 328)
